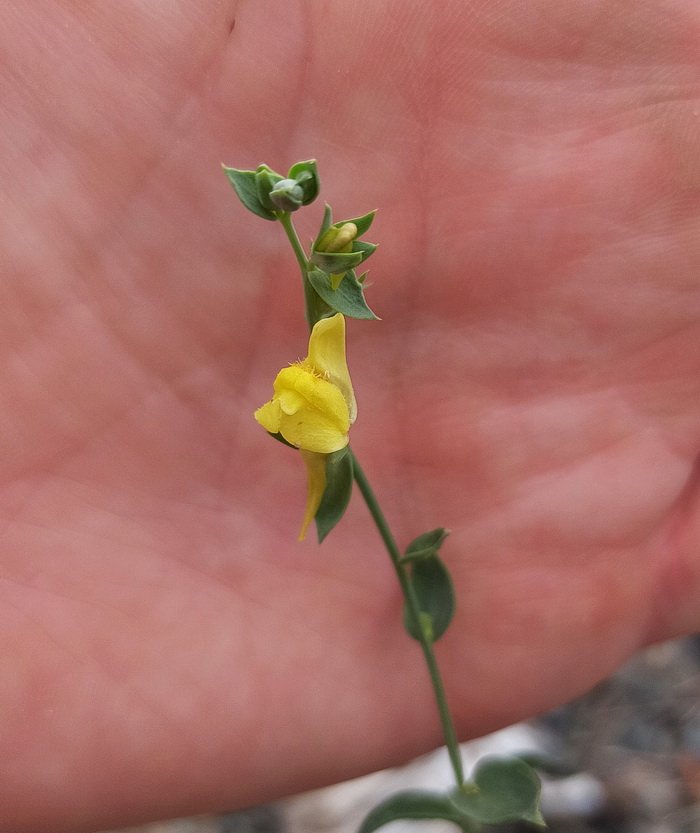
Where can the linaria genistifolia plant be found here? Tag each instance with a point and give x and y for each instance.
(312, 410)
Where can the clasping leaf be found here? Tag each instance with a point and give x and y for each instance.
(416, 804)
(348, 298)
(436, 599)
(503, 790)
(336, 497)
(426, 544)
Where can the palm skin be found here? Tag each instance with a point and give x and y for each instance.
(168, 647)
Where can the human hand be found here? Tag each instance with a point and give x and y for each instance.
(168, 646)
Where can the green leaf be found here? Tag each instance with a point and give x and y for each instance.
(331, 262)
(244, 185)
(366, 248)
(349, 298)
(265, 181)
(436, 598)
(362, 223)
(503, 790)
(416, 804)
(287, 195)
(553, 767)
(325, 224)
(336, 498)
(426, 544)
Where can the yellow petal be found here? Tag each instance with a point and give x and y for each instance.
(312, 430)
(269, 416)
(290, 401)
(325, 397)
(310, 412)
(338, 239)
(327, 357)
(316, 474)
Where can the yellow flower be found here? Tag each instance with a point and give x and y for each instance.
(313, 406)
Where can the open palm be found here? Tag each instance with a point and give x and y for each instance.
(167, 645)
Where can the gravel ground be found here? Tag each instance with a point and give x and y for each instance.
(632, 744)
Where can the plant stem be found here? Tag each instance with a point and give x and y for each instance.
(285, 218)
(315, 309)
(315, 306)
(409, 593)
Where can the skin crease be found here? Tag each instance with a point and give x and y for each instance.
(168, 647)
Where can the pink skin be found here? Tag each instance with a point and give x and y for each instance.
(167, 646)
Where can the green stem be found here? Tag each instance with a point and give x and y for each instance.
(316, 308)
(285, 218)
(409, 593)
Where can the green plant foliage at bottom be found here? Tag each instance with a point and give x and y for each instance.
(416, 804)
(502, 790)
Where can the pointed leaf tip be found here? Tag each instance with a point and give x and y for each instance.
(427, 544)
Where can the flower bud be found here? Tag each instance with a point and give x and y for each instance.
(287, 195)
(306, 175)
(336, 251)
(337, 239)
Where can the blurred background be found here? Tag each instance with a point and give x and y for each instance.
(625, 758)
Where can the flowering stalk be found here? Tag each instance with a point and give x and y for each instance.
(387, 537)
(312, 409)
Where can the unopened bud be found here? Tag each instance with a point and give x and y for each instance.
(287, 195)
(338, 239)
